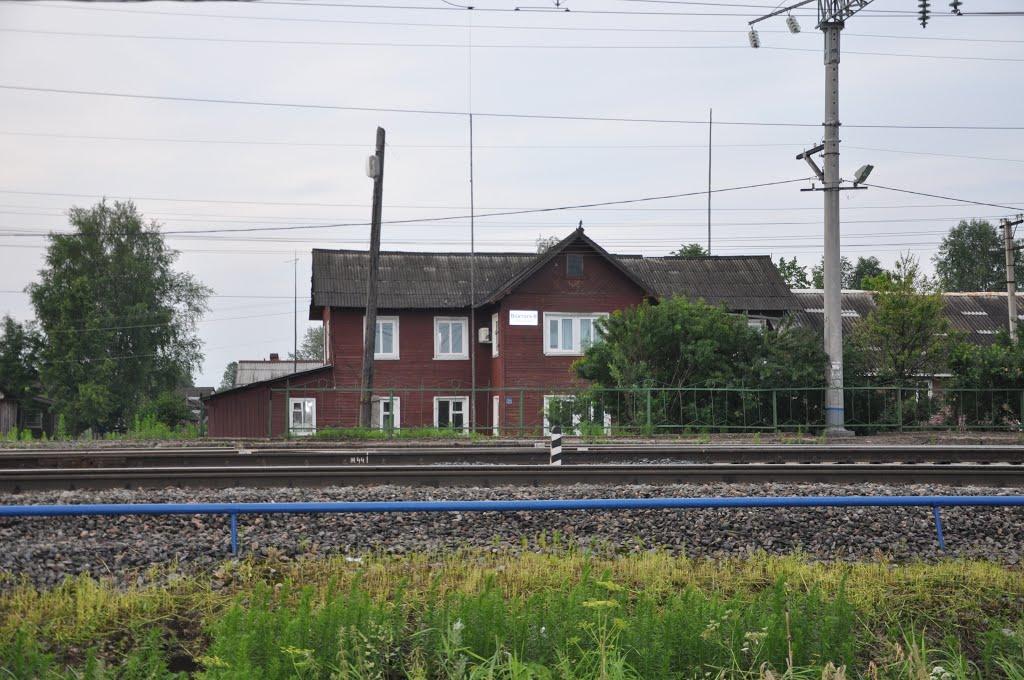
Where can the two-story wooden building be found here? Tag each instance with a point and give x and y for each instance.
(520, 319)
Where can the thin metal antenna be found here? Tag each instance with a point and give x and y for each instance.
(472, 340)
(710, 111)
(295, 311)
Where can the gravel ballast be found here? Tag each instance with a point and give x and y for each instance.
(48, 549)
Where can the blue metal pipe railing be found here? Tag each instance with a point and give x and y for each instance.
(233, 510)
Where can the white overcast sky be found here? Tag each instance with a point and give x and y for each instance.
(205, 166)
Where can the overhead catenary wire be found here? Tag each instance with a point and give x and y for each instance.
(456, 45)
(507, 147)
(524, 27)
(487, 114)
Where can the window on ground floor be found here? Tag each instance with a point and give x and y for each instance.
(301, 416)
(570, 414)
(386, 413)
(451, 412)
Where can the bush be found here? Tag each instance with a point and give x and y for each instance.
(167, 408)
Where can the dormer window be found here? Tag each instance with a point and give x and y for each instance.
(574, 266)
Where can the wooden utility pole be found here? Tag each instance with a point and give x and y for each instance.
(374, 169)
(1011, 274)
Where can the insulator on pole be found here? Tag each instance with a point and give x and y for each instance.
(755, 39)
(924, 12)
(955, 7)
(792, 24)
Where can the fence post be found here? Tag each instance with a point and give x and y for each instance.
(522, 408)
(650, 427)
(556, 445)
(234, 534)
(391, 418)
(775, 412)
(287, 410)
(938, 527)
(899, 407)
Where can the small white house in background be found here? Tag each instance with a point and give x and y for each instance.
(257, 370)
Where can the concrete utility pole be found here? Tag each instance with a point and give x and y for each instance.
(1011, 273)
(374, 169)
(832, 15)
(835, 416)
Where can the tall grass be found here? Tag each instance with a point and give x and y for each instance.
(473, 615)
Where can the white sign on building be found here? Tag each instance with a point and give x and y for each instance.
(522, 317)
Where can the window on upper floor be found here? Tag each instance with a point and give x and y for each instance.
(385, 344)
(574, 266)
(570, 333)
(450, 341)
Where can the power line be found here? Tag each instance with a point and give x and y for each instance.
(443, 112)
(654, 147)
(947, 198)
(413, 24)
(510, 212)
(476, 45)
(458, 147)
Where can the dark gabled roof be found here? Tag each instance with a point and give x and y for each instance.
(419, 280)
(742, 282)
(551, 253)
(980, 316)
(268, 381)
(409, 280)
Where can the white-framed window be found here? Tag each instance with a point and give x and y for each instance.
(450, 340)
(495, 328)
(385, 339)
(561, 409)
(386, 412)
(301, 416)
(570, 333)
(451, 412)
(757, 323)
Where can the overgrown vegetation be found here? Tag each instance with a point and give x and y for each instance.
(557, 615)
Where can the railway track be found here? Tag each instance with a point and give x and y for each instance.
(486, 475)
(379, 456)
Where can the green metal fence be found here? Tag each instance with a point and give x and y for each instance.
(530, 412)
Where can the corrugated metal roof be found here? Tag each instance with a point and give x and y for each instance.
(249, 372)
(979, 316)
(417, 280)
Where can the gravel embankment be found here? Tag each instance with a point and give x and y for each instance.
(47, 549)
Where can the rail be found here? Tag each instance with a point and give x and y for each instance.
(233, 510)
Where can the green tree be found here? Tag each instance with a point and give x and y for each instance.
(118, 319)
(690, 250)
(680, 343)
(312, 347)
(907, 335)
(971, 258)
(865, 268)
(545, 243)
(227, 381)
(20, 345)
(792, 273)
(169, 408)
(845, 273)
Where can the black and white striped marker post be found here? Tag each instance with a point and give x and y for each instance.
(556, 445)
